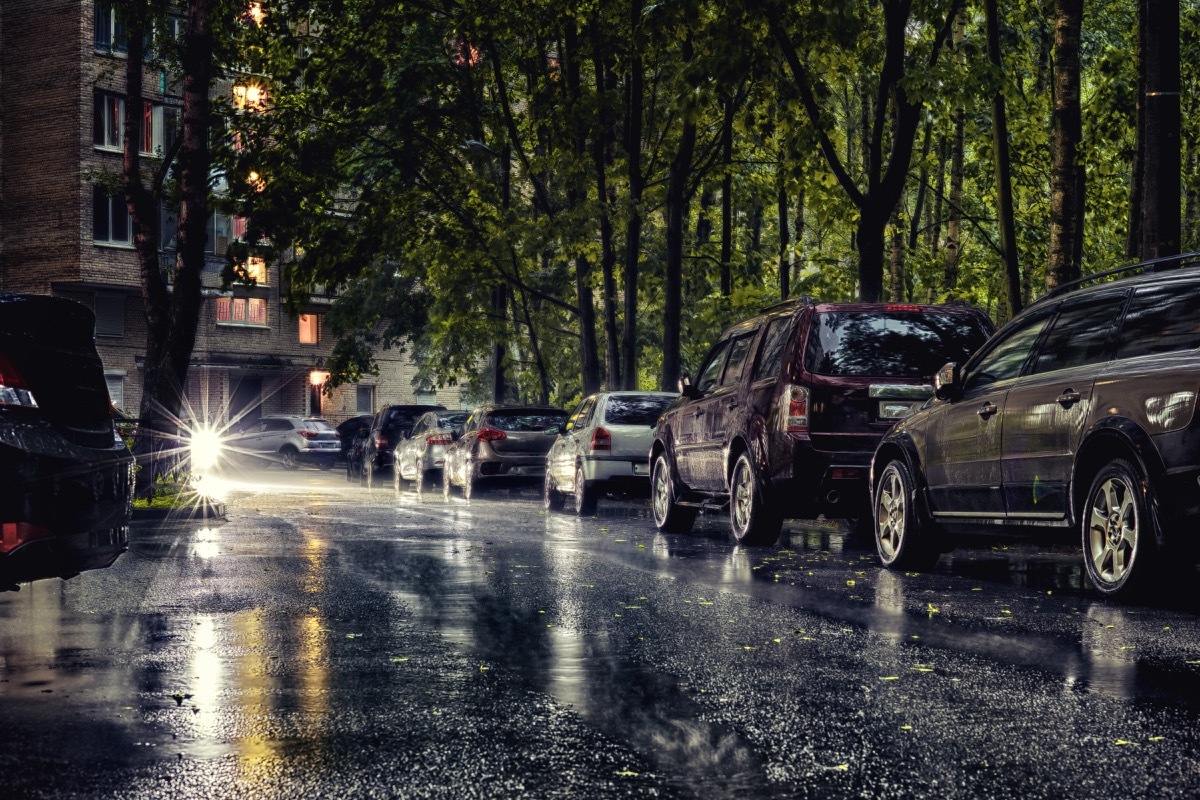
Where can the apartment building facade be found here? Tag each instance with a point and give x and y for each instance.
(65, 232)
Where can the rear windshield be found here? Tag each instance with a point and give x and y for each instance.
(894, 344)
(635, 410)
(317, 425)
(452, 420)
(402, 418)
(525, 420)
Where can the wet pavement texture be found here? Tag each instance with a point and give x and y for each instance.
(329, 641)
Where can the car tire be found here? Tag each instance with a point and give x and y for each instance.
(584, 495)
(471, 487)
(669, 516)
(289, 457)
(421, 480)
(447, 483)
(1119, 548)
(900, 540)
(552, 500)
(753, 521)
(370, 475)
(398, 481)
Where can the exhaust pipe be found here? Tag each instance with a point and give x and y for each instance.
(833, 497)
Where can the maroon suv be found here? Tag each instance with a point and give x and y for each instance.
(785, 411)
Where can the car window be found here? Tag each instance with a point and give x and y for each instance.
(635, 409)
(582, 414)
(892, 343)
(317, 425)
(770, 355)
(451, 420)
(525, 420)
(712, 367)
(1008, 356)
(1081, 334)
(736, 363)
(1161, 320)
(278, 425)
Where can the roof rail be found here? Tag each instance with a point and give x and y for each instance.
(804, 300)
(1153, 265)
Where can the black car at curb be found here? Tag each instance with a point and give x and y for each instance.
(66, 478)
(1077, 419)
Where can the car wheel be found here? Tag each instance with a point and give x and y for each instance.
(372, 477)
(753, 522)
(289, 457)
(551, 499)
(585, 496)
(668, 515)
(421, 479)
(447, 483)
(899, 540)
(1118, 535)
(398, 479)
(470, 487)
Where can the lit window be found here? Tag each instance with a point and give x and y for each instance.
(310, 329)
(110, 218)
(248, 97)
(239, 229)
(256, 268)
(242, 311)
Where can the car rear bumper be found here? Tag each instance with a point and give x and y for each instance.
(617, 471)
(62, 513)
(813, 482)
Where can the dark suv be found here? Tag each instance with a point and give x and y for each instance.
(390, 424)
(1077, 418)
(786, 409)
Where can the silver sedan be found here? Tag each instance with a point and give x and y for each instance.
(421, 456)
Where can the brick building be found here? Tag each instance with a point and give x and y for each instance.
(61, 84)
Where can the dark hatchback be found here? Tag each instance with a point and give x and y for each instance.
(391, 424)
(1078, 419)
(66, 478)
(786, 409)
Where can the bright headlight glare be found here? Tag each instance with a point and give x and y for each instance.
(205, 448)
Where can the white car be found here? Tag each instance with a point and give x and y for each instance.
(288, 441)
(605, 447)
(421, 456)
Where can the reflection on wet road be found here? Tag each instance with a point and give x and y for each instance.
(333, 641)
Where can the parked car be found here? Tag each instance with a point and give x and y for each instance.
(419, 458)
(352, 438)
(786, 409)
(603, 447)
(500, 443)
(1076, 419)
(391, 424)
(66, 475)
(288, 441)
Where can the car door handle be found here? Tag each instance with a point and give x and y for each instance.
(987, 410)
(1068, 398)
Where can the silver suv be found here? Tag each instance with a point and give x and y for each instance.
(289, 441)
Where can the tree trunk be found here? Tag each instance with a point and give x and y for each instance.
(601, 158)
(958, 146)
(633, 230)
(896, 291)
(785, 242)
(1066, 176)
(1161, 214)
(1133, 239)
(676, 211)
(914, 227)
(576, 194)
(1003, 165)
(727, 200)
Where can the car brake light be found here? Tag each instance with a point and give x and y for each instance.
(490, 435)
(307, 434)
(601, 440)
(381, 442)
(15, 534)
(14, 391)
(901, 307)
(439, 438)
(796, 418)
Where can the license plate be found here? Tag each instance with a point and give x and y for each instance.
(897, 409)
(640, 468)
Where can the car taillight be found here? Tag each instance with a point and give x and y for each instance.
(15, 534)
(796, 416)
(490, 435)
(601, 440)
(380, 442)
(439, 438)
(307, 434)
(14, 391)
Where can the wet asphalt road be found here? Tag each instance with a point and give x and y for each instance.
(327, 641)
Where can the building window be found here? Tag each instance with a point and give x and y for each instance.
(110, 314)
(110, 218)
(426, 394)
(116, 387)
(249, 97)
(159, 124)
(110, 28)
(242, 311)
(310, 329)
(219, 231)
(256, 270)
(366, 399)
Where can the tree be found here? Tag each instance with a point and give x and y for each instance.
(1161, 155)
(1066, 171)
(1003, 165)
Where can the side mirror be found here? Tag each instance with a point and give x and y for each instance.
(685, 386)
(947, 384)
